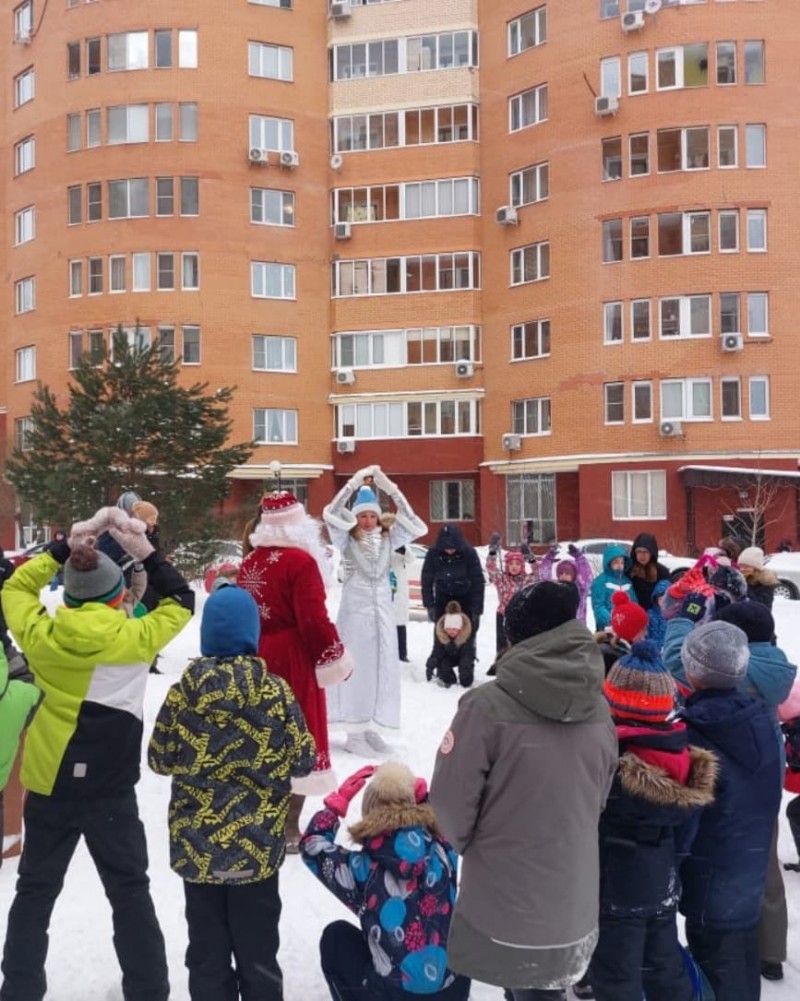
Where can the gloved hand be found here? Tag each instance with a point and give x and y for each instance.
(573, 550)
(383, 482)
(696, 607)
(130, 534)
(552, 552)
(357, 479)
(339, 801)
(85, 533)
(431, 614)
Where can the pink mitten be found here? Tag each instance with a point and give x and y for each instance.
(85, 533)
(131, 536)
(339, 801)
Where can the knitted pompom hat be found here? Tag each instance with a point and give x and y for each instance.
(90, 575)
(281, 508)
(715, 655)
(639, 687)
(365, 500)
(627, 619)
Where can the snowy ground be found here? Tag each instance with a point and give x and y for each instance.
(82, 965)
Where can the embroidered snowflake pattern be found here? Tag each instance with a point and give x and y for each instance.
(274, 556)
(330, 654)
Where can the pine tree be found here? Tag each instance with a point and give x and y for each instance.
(128, 425)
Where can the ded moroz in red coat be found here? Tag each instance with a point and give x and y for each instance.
(298, 640)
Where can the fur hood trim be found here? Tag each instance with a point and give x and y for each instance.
(639, 778)
(388, 818)
(762, 578)
(461, 637)
(306, 535)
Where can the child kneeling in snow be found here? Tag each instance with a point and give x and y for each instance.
(401, 885)
(453, 647)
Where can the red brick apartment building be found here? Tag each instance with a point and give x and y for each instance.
(537, 259)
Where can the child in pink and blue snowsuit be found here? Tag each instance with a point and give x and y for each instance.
(575, 568)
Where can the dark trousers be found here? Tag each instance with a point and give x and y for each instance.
(348, 969)
(773, 926)
(115, 839)
(729, 959)
(402, 642)
(636, 956)
(500, 633)
(239, 923)
(793, 816)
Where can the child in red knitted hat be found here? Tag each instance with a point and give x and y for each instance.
(629, 623)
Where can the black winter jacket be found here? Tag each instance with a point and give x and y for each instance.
(456, 576)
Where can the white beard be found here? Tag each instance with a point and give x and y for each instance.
(305, 535)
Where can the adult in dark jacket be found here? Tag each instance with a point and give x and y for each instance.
(452, 572)
(521, 778)
(724, 876)
(761, 581)
(646, 571)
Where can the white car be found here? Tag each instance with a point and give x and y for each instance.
(593, 549)
(786, 567)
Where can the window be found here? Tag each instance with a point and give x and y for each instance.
(610, 77)
(187, 122)
(527, 31)
(612, 241)
(686, 399)
(728, 232)
(413, 127)
(275, 134)
(638, 78)
(530, 264)
(727, 146)
(23, 21)
(530, 185)
(24, 87)
(640, 237)
(24, 225)
(758, 314)
(528, 108)
(74, 205)
(272, 281)
(684, 66)
(26, 364)
(726, 63)
(642, 402)
(165, 196)
(432, 418)
(270, 207)
(24, 155)
(93, 62)
(190, 271)
(163, 49)
(116, 273)
(531, 416)
(612, 323)
(639, 154)
(164, 122)
(129, 199)
(530, 340)
(275, 427)
(191, 345)
(614, 406)
(640, 320)
(94, 201)
(74, 348)
(128, 51)
(95, 276)
(140, 269)
(381, 57)
(25, 295)
(286, 4)
(73, 60)
(274, 354)
(684, 233)
(128, 123)
(187, 49)
(97, 346)
(92, 127)
(682, 149)
(759, 397)
(756, 230)
(730, 399)
(450, 196)
(73, 132)
(442, 51)
(190, 196)
(531, 507)
(271, 61)
(755, 144)
(686, 316)
(393, 275)
(612, 158)
(639, 494)
(753, 62)
(75, 278)
(137, 339)
(730, 313)
(165, 272)
(23, 429)
(452, 500)
(165, 343)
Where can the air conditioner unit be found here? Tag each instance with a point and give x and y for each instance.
(346, 446)
(342, 231)
(340, 11)
(258, 156)
(633, 20)
(512, 442)
(336, 161)
(345, 377)
(606, 105)
(290, 159)
(652, 6)
(732, 342)
(506, 215)
(464, 370)
(670, 429)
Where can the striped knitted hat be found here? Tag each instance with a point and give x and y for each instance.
(639, 687)
(90, 575)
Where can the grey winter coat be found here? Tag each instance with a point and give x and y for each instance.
(519, 784)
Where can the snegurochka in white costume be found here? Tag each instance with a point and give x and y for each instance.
(366, 618)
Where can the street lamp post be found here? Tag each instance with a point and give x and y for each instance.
(275, 469)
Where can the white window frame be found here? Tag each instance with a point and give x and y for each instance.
(188, 121)
(532, 26)
(266, 345)
(764, 298)
(93, 128)
(166, 278)
(533, 180)
(643, 59)
(127, 50)
(25, 295)
(23, 21)
(25, 363)
(24, 225)
(266, 273)
(619, 389)
(722, 216)
(190, 271)
(759, 129)
(271, 133)
(276, 207)
(189, 342)
(730, 380)
(24, 87)
(623, 499)
(285, 418)
(533, 255)
(74, 349)
(441, 495)
(612, 320)
(540, 408)
(734, 130)
(24, 155)
(126, 189)
(633, 338)
(141, 272)
(684, 318)
(76, 278)
(95, 277)
(117, 263)
(757, 218)
(753, 381)
(631, 137)
(136, 123)
(637, 386)
(188, 49)
(270, 62)
(533, 102)
(540, 332)
(611, 77)
(687, 387)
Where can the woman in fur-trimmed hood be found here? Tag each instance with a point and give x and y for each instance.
(401, 884)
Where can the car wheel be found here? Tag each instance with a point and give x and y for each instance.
(676, 575)
(786, 589)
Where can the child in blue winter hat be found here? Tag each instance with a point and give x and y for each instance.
(657, 627)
